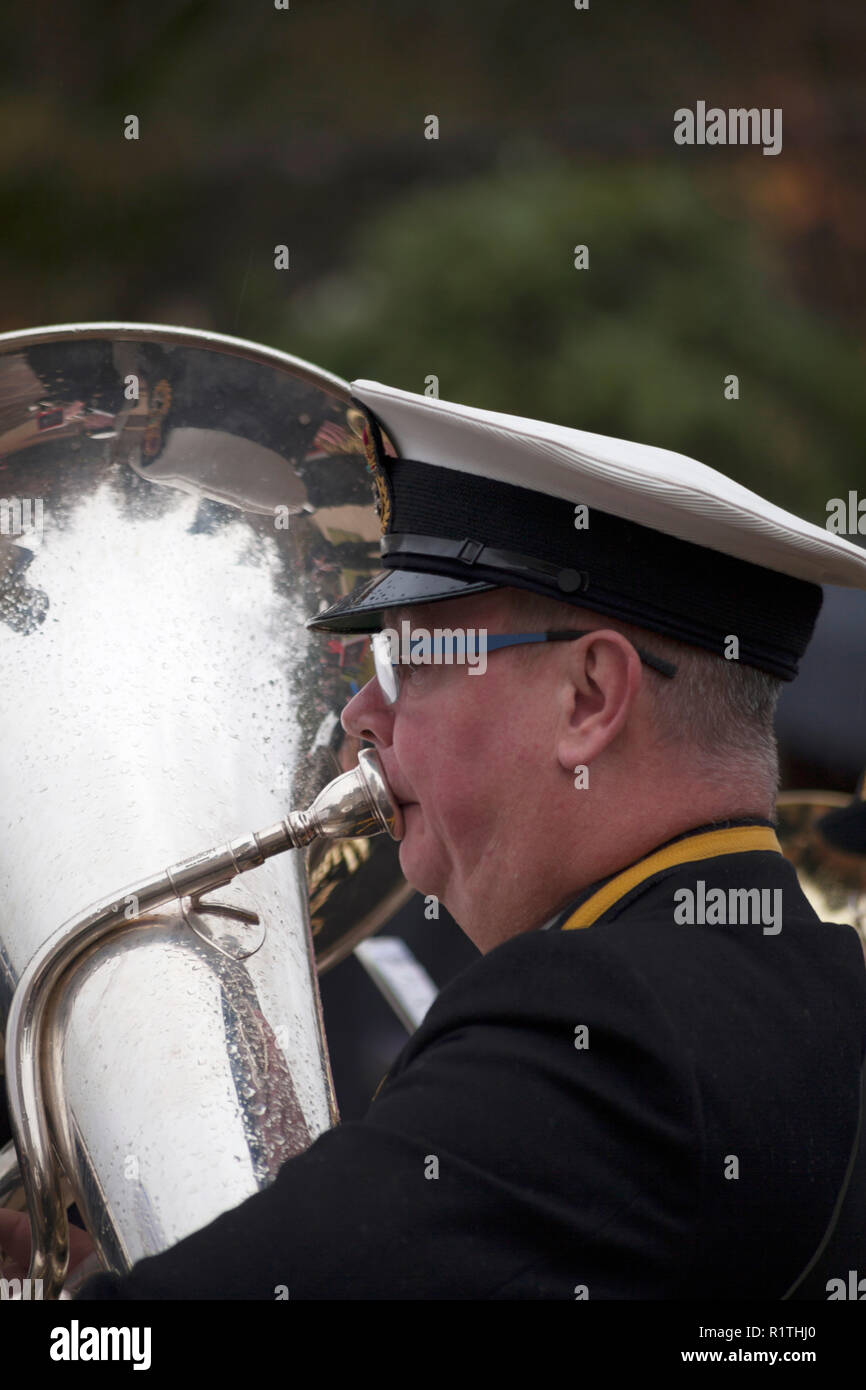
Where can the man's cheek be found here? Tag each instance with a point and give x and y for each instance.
(461, 820)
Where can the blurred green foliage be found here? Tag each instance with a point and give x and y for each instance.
(453, 257)
(475, 283)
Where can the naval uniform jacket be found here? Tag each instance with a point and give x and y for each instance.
(620, 1105)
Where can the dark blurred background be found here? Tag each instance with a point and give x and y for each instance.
(411, 258)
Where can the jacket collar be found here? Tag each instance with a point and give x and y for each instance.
(745, 835)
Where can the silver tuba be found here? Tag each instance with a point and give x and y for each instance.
(173, 505)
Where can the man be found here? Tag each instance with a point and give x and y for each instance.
(648, 1086)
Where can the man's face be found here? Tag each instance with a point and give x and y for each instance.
(461, 751)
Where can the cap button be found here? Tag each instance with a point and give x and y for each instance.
(569, 581)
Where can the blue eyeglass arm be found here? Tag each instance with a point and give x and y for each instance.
(664, 668)
(514, 639)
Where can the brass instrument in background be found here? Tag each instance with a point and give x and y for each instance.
(173, 506)
(833, 879)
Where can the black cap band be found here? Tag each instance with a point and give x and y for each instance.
(480, 531)
(467, 527)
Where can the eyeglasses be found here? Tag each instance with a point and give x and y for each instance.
(424, 651)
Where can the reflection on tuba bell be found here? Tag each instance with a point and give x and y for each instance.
(173, 506)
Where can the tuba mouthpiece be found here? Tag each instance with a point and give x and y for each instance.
(358, 802)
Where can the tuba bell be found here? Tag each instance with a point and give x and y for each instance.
(173, 506)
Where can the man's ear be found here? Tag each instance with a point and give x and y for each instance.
(600, 682)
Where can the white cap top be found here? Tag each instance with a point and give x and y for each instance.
(654, 487)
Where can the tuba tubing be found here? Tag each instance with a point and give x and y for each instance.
(175, 506)
(358, 802)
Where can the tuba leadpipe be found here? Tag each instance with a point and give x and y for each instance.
(356, 803)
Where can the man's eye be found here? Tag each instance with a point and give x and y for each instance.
(410, 671)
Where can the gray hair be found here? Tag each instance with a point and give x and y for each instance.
(722, 709)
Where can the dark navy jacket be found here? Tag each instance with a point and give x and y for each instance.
(622, 1105)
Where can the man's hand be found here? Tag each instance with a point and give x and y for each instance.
(15, 1245)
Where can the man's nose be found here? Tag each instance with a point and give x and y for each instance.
(367, 716)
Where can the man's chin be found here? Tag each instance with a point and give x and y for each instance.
(417, 869)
